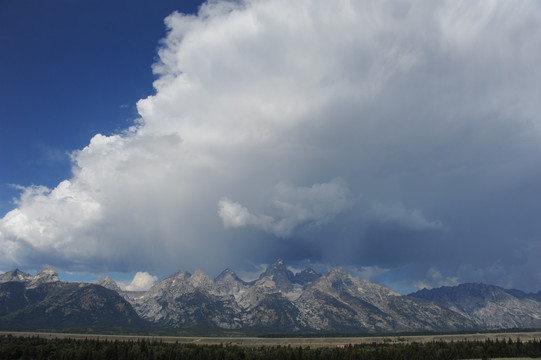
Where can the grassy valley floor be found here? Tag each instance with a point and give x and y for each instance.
(312, 342)
(28, 345)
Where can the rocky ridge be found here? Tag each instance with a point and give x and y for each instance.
(277, 301)
(46, 275)
(282, 300)
(109, 283)
(488, 306)
(42, 301)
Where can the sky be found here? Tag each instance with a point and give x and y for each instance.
(398, 139)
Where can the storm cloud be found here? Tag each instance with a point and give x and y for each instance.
(402, 136)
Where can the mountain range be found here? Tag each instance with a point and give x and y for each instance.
(277, 301)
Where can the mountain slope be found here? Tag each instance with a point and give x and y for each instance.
(228, 283)
(186, 300)
(42, 301)
(341, 302)
(109, 283)
(488, 306)
(46, 275)
(284, 301)
(60, 304)
(278, 301)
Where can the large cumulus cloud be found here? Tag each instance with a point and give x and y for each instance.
(397, 135)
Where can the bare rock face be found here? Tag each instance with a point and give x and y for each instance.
(488, 306)
(281, 300)
(278, 301)
(46, 275)
(15, 275)
(339, 301)
(109, 283)
(281, 277)
(228, 283)
(306, 277)
(186, 300)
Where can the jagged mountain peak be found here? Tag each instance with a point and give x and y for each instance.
(180, 275)
(306, 300)
(279, 271)
(200, 280)
(338, 275)
(109, 283)
(306, 277)
(229, 275)
(16, 272)
(229, 283)
(177, 279)
(14, 275)
(46, 275)
(226, 273)
(279, 274)
(277, 268)
(183, 282)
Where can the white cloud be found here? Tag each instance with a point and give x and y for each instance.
(142, 281)
(235, 215)
(259, 103)
(49, 221)
(295, 206)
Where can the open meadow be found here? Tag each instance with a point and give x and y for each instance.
(41, 345)
(312, 342)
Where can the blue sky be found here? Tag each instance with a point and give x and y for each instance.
(71, 69)
(398, 139)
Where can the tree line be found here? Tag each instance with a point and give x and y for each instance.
(15, 347)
